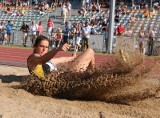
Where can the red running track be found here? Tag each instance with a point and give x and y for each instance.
(18, 56)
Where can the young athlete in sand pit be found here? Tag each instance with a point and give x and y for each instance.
(43, 62)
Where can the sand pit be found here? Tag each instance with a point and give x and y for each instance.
(139, 100)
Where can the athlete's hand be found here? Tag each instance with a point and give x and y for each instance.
(64, 47)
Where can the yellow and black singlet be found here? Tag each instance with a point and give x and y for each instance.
(42, 70)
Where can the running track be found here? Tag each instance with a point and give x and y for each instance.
(18, 56)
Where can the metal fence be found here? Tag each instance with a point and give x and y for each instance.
(96, 41)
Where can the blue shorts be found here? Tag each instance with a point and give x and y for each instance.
(9, 33)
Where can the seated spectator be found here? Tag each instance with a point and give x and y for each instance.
(98, 7)
(119, 9)
(21, 4)
(46, 6)
(79, 12)
(142, 5)
(156, 5)
(132, 19)
(14, 14)
(146, 13)
(128, 32)
(1, 5)
(53, 5)
(120, 29)
(83, 11)
(41, 10)
(8, 10)
(24, 4)
(23, 12)
(94, 7)
(152, 12)
(124, 9)
(92, 18)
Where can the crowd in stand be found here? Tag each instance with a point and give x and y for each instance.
(144, 33)
(66, 34)
(80, 31)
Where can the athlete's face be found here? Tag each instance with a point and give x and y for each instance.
(42, 47)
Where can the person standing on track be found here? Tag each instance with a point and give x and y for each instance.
(25, 30)
(33, 28)
(9, 31)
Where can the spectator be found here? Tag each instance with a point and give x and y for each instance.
(83, 3)
(83, 11)
(78, 39)
(94, 7)
(141, 40)
(69, 7)
(3, 33)
(9, 31)
(64, 13)
(120, 29)
(87, 3)
(124, 9)
(54, 5)
(14, 14)
(151, 36)
(146, 13)
(25, 30)
(41, 10)
(86, 31)
(23, 12)
(132, 19)
(50, 26)
(156, 5)
(152, 12)
(128, 32)
(92, 18)
(24, 4)
(40, 29)
(117, 17)
(142, 5)
(93, 30)
(66, 31)
(104, 25)
(33, 28)
(74, 29)
(8, 10)
(58, 38)
(98, 7)
(46, 6)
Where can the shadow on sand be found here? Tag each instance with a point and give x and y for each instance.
(11, 78)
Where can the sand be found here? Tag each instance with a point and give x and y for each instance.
(18, 103)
